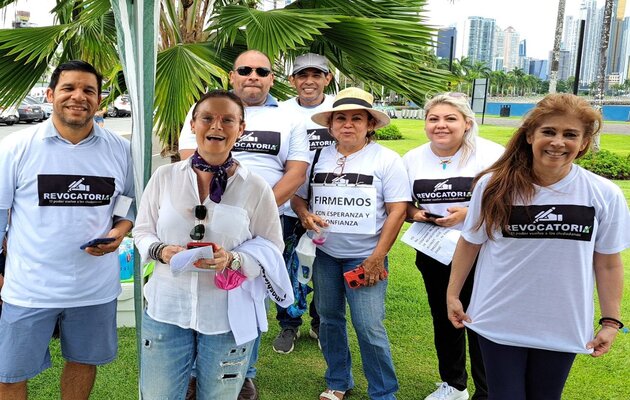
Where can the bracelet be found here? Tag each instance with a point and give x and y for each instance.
(155, 251)
(613, 320)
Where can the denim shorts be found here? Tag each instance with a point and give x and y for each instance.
(88, 336)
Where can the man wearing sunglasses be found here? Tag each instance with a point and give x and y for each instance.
(65, 182)
(274, 145)
(310, 75)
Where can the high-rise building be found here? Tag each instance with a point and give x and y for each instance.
(570, 39)
(479, 39)
(616, 43)
(564, 65)
(624, 63)
(592, 39)
(539, 68)
(446, 38)
(522, 48)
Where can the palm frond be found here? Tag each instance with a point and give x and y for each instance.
(270, 31)
(183, 73)
(24, 57)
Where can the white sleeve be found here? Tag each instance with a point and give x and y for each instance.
(613, 232)
(187, 140)
(145, 229)
(8, 172)
(395, 181)
(472, 235)
(298, 143)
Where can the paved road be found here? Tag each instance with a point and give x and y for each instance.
(622, 128)
(122, 126)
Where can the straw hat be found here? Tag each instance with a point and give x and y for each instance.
(352, 98)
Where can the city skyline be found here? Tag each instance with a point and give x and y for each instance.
(539, 35)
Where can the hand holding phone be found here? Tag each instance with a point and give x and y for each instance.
(356, 277)
(96, 242)
(431, 215)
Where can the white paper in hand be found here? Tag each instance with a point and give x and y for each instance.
(184, 260)
(435, 241)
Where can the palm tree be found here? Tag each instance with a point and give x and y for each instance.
(555, 60)
(378, 43)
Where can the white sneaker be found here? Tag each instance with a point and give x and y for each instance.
(446, 392)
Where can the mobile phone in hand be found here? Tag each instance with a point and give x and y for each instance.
(356, 277)
(431, 215)
(96, 242)
(194, 245)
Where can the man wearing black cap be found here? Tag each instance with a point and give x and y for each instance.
(310, 76)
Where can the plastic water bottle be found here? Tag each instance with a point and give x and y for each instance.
(125, 257)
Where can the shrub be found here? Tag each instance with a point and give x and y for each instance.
(389, 132)
(606, 164)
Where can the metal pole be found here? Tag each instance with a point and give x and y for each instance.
(578, 63)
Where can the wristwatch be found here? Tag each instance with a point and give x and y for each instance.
(236, 261)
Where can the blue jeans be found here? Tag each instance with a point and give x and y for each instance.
(167, 358)
(367, 308)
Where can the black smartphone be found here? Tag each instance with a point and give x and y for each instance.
(97, 241)
(431, 215)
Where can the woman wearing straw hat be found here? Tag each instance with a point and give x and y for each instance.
(359, 192)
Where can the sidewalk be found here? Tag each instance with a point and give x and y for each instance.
(617, 128)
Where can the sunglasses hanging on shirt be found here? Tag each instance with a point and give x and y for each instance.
(199, 230)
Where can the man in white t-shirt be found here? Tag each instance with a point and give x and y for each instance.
(310, 76)
(66, 182)
(273, 145)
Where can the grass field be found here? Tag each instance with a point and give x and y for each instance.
(299, 375)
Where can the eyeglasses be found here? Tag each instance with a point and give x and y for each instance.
(226, 120)
(247, 71)
(199, 230)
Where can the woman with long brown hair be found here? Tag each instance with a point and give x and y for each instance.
(545, 231)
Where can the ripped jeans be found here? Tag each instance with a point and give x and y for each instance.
(167, 358)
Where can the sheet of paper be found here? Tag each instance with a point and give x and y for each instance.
(121, 207)
(433, 240)
(184, 260)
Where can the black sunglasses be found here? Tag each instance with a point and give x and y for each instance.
(260, 71)
(199, 230)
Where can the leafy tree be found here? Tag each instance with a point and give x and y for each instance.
(379, 43)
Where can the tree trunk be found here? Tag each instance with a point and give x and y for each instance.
(601, 70)
(555, 58)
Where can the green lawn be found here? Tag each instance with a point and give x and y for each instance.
(299, 375)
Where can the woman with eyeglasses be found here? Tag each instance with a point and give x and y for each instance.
(544, 231)
(440, 174)
(359, 190)
(212, 311)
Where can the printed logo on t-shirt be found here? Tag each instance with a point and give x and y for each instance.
(319, 138)
(551, 222)
(343, 179)
(74, 190)
(266, 142)
(451, 190)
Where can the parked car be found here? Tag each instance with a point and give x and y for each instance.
(120, 108)
(42, 101)
(9, 115)
(30, 112)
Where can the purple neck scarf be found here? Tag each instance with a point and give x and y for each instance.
(219, 174)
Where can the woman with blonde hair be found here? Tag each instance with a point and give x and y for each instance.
(545, 231)
(440, 174)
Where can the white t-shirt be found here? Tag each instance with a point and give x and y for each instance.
(538, 293)
(435, 188)
(318, 136)
(247, 209)
(272, 137)
(61, 195)
(372, 167)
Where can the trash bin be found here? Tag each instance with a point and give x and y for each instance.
(505, 110)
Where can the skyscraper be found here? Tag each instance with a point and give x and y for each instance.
(479, 39)
(446, 36)
(592, 39)
(616, 44)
